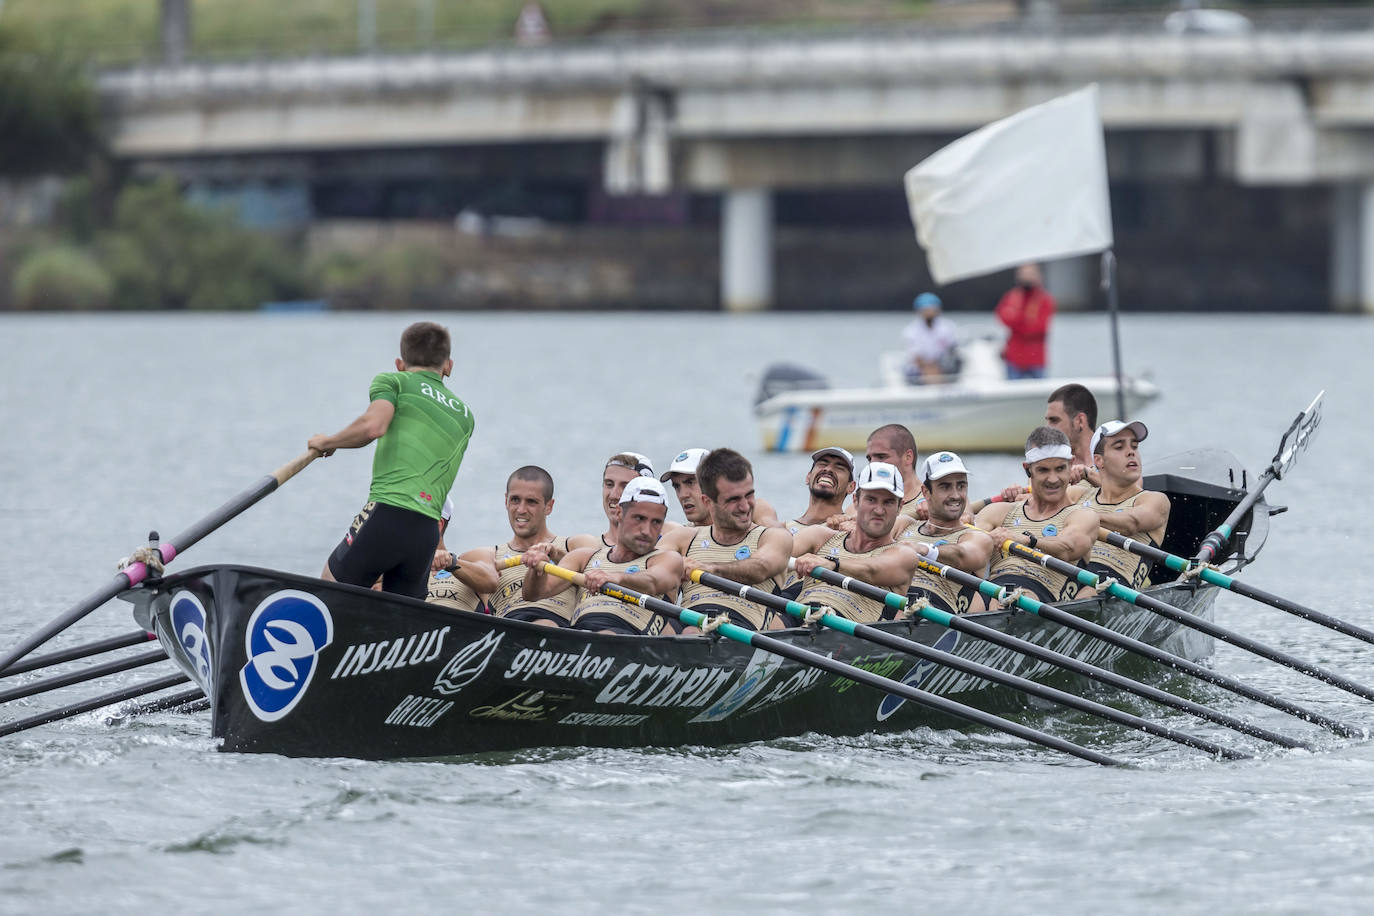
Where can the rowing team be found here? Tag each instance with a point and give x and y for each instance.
(903, 525)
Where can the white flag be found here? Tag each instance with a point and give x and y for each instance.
(1031, 187)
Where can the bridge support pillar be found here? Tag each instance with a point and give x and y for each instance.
(746, 250)
(1352, 247)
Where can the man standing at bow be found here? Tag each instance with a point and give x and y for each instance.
(422, 431)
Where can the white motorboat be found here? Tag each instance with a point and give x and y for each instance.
(978, 410)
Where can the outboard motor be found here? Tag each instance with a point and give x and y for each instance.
(781, 377)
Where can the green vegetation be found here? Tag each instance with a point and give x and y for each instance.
(395, 277)
(49, 115)
(155, 252)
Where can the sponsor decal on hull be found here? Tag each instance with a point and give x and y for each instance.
(468, 665)
(756, 675)
(188, 626)
(801, 681)
(582, 666)
(663, 685)
(881, 665)
(388, 654)
(602, 719)
(525, 706)
(418, 712)
(917, 675)
(283, 641)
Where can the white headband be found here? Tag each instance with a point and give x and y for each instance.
(1041, 452)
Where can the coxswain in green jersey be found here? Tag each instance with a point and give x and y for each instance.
(422, 430)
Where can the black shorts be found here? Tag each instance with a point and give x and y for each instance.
(735, 617)
(389, 542)
(1036, 588)
(532, 614)
(936, 601)
(617, 625)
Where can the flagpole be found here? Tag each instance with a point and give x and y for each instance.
(1109, 285)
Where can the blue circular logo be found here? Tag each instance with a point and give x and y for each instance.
(632, 569)
(682, 457)
(1049, 532)
(742, 553)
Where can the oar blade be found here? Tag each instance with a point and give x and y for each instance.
(1299, 436)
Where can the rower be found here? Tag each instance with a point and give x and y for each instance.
(620, 469)
(529, 502)
(1072, 410)
(1123, 504)
(682, 477)
(868, 553)
(1048, 519)
(732, 545)
(947, 539)
(895, 445)
(828, 483)
(459, 581)
(634, 561)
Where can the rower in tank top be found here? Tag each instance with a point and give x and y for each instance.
(1047, 519)
(634, 562)
(944, 537)
(509, 601)
(731, 545)
(866, 554)
(1123, 504)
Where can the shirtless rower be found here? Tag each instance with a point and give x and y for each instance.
(635, 561)
(868, 553)
(529, 502)
(682, 477)
(944, 481)
(1048, 519)
(1123, 504)
(1072, 410)
(732, 544)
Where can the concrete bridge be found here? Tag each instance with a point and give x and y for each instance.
(743, 115)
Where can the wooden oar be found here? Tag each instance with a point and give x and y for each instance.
(76, 709)
(1169, 612)
(85, 674)
(137, 572)
(1294, 441)
(824, 663)
(1208, 574)
(950, 660)
(136, 638)
(1050, 612)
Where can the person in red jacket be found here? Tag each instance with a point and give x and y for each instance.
(1026, 310)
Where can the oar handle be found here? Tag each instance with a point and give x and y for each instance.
(295, 466)
(135, 573)
(1178, 615)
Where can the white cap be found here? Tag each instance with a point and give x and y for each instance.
(879, 475)
(837, 451)
(644, 490)
(685, 463)
(1112, 427)
(643, 466)
(942, 464)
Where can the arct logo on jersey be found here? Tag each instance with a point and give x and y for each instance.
(285, 636)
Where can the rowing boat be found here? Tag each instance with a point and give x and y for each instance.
(978, 410)
(297, 666)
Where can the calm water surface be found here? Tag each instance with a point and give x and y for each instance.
(114, 425)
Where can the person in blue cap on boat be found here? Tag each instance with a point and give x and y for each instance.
(931, 342)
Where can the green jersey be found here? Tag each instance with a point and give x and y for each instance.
(418, 457)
